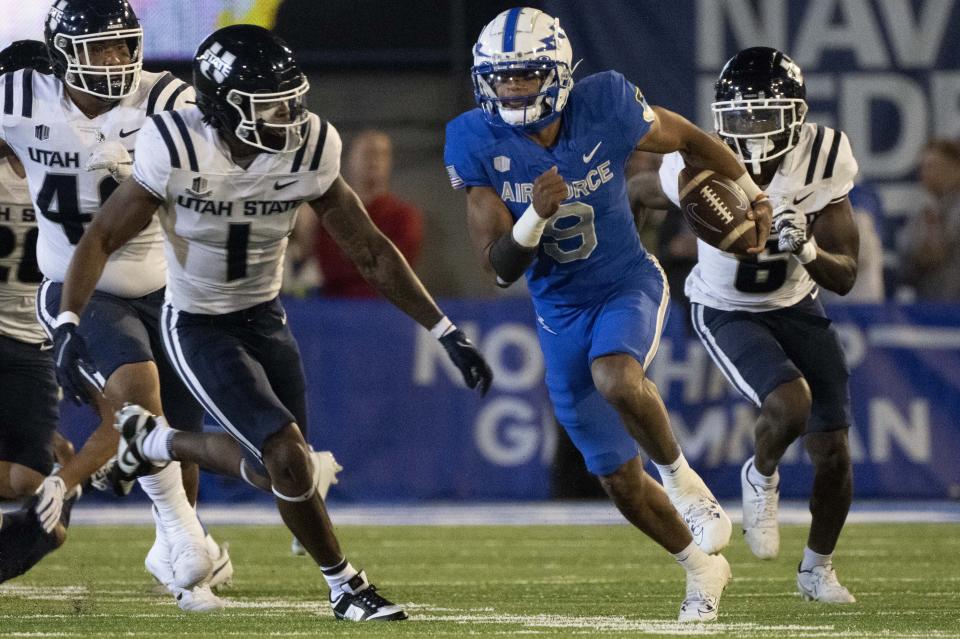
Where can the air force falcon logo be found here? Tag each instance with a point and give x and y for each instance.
(215, 63)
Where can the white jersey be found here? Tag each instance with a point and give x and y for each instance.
(54, 139)
(818, 171)
(19, 276)
(227, 227)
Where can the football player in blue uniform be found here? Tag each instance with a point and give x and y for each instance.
(542, 162)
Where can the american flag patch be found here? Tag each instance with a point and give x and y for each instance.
(501, 163)
(455, 180)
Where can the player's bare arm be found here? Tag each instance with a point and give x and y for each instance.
(378, 260)
(122, 217)
(507, 249)
(838, 247)
(672, 132)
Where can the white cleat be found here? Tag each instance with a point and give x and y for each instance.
(198, 599)
(186, 564)
(760, 528)
(701, 512)
(702, 601)
(820, 583)
(222, 574)
(325, 469)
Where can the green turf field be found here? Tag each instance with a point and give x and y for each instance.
(583, 581)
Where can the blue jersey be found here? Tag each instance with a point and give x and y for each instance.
(591, 243)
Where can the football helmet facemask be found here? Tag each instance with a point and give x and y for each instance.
(77, 31)
(248, 84)
(522, 44)
(760, 104)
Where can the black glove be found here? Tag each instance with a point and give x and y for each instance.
(476, 372)
(74, 364)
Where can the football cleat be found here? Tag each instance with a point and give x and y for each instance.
(325, 469)
(198, 599)
(358, 600)
(134, 424)
(108, 478)
(701, 512)
(175, 560)
(297, 549)
(820, 583)
(760, 528)
(704, 588)
(222, 573)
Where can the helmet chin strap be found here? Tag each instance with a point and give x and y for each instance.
(758, 149)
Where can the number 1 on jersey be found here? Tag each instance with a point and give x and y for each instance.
(238, 237)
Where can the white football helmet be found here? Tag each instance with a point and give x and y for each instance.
(527, 42)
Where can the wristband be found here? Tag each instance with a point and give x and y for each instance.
(66, 317)
(808, 253)
(749, 187)
(442, 327)
(529, 228)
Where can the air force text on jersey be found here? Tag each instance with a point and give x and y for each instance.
(596, 177)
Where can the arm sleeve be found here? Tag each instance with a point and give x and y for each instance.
(670, 170)
(464, 168)
(151, 167)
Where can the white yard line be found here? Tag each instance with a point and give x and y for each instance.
(498, 514)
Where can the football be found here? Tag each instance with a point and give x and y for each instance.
(716, 209)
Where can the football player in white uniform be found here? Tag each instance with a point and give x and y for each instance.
(229, 176)
(759, 317)
(29, 443)
(73, 131)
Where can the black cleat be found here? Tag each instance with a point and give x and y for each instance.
(358, 600)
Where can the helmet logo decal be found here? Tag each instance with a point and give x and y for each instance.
(549, 43)
(215, 63)
(56, 14)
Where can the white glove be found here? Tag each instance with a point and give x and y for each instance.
(790, 226)
(50, 505)
(113, 157)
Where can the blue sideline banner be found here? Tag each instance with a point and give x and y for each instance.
(383, 396)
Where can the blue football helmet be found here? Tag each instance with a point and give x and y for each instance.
(528, 44)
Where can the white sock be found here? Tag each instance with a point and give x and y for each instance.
(674, 475)
(165, 489)
(811, 559)
(756, 477)
(691, 558)
(156, 445)
(339, 574)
